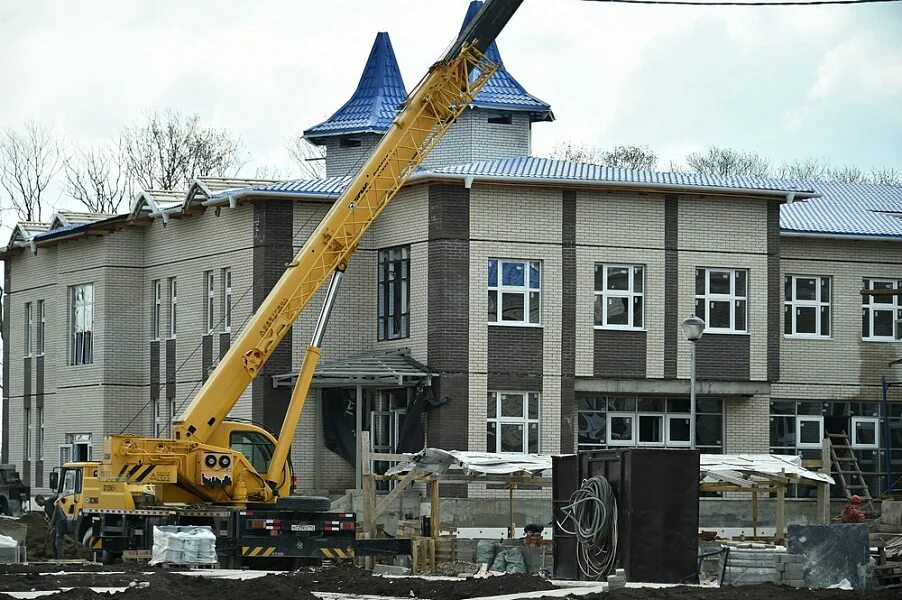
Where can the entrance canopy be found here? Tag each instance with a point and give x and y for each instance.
(392, 368)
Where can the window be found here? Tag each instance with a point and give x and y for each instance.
(721, 299)
(879, 313)
(210, 289)
(394, 293)
(806, 310)
(513, 422)
(41, 433)
(226, 276)
(499, 119)
(255, 447)
(619, 296)
(157, 418)
(173, 306)
(157, 310)
(29, 328)
(42, 314)
(514, 292)
(864, 432)
(172, 416)
(26, 412)
(810, 431)
(607, 421)
(81, 311)
(349, 142)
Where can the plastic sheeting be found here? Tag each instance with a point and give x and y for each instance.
(739, 465)
(434, 460)
(183, 545)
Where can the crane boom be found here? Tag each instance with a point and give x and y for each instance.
(430, 110)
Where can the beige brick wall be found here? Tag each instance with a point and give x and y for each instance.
(747, 425)
(620, 220)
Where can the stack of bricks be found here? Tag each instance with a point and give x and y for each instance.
(749, 566)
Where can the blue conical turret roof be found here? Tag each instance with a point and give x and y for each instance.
(503, 92)
(374, 103)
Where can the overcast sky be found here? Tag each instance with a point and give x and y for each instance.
(785, 82)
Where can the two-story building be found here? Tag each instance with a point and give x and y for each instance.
(502, 302)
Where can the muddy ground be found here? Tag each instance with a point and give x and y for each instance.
(351, 581)
(38, 542)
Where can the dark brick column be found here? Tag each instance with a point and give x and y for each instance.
(568, 321)
(448, 335)
(774, 285)
(671, 285)
(273, 235)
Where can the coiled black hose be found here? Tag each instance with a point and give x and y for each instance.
(592, 518)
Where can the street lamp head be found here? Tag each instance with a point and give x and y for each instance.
(693, 328)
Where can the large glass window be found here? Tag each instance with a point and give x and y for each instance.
(81, 311)
(210, 294)
(512, 422)
(226, 276)
(394, 293)
(806, 309)
(173, 306)
(880, 312)
(721, 299)
(606, 421)
(515, 292)
(29, 328)
(255, 447)
(619, 296)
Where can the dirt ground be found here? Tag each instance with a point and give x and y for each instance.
(348, 580)
(38, 542)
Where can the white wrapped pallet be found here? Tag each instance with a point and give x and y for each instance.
(183, 545)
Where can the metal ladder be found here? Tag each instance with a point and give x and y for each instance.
(848, 472)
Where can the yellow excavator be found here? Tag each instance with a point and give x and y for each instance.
(235, 476)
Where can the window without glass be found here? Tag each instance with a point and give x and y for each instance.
(619, 291)
(41, 433)
(173, 306)
(721, 299)
(26, 413)
(394, 293)
(42, 321)
(512, 422)
(806, 310)
(29, 328)
(226, 277)
(879, 313)
(81, 316)
(157, 315)
(514, 292)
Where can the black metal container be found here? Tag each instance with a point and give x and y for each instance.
(657, 497)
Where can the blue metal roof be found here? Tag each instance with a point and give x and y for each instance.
(375, 102)
(503, 92)
(842, 209)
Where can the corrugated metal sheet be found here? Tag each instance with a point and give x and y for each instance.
(375, 102)
(847, 209)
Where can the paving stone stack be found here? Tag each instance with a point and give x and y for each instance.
(749, 566)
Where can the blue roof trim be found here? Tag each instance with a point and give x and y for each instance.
(503, 91)
(375, 102)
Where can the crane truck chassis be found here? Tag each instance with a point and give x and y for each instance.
(234, 476)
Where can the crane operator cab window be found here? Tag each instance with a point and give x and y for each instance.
(255, 447)
(71, 482)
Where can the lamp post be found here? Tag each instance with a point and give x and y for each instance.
(693, 328)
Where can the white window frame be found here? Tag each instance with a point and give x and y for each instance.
(226, 275)
(523, 420)
(630, 294)
(210, 314)
(670, 442)
(173, 306)
(26, 414)
(172, 416)
(41, 433)
(868, 304)
(86, 307)
(854, 433)
(525, 290)
(29, 328)
(662, 418)
(634, 419)
(809, 445)
(819, 304)
(156, 316)
(42, 329)
(732, 297)
(65, 454)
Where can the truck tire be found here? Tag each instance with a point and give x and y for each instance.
(304, 503)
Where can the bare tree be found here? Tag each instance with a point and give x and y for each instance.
(728, 162)
(886, 176)
(846, 174)
(29, 160)
(98, 178)
(640, 158)
(576, 152)
(170, 149)
(809, 169)
(311, 159)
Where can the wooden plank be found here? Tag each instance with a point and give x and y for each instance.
(389, 457)
(435, 509)
(399, 488)
(781, 513)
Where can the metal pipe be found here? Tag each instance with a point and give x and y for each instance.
(326, 312)
(692, 395)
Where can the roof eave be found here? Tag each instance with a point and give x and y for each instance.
(834, 235)
(318, 138)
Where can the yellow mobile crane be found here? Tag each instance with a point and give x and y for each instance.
(236, 476)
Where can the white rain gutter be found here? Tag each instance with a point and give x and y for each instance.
(841, 236)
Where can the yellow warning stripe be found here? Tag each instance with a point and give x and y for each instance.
(95, 543)
(257, 550)
(269, 551)
(326, 552)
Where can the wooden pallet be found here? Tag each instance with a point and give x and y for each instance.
(889, 576)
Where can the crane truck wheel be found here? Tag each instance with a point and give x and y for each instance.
(304, 503)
